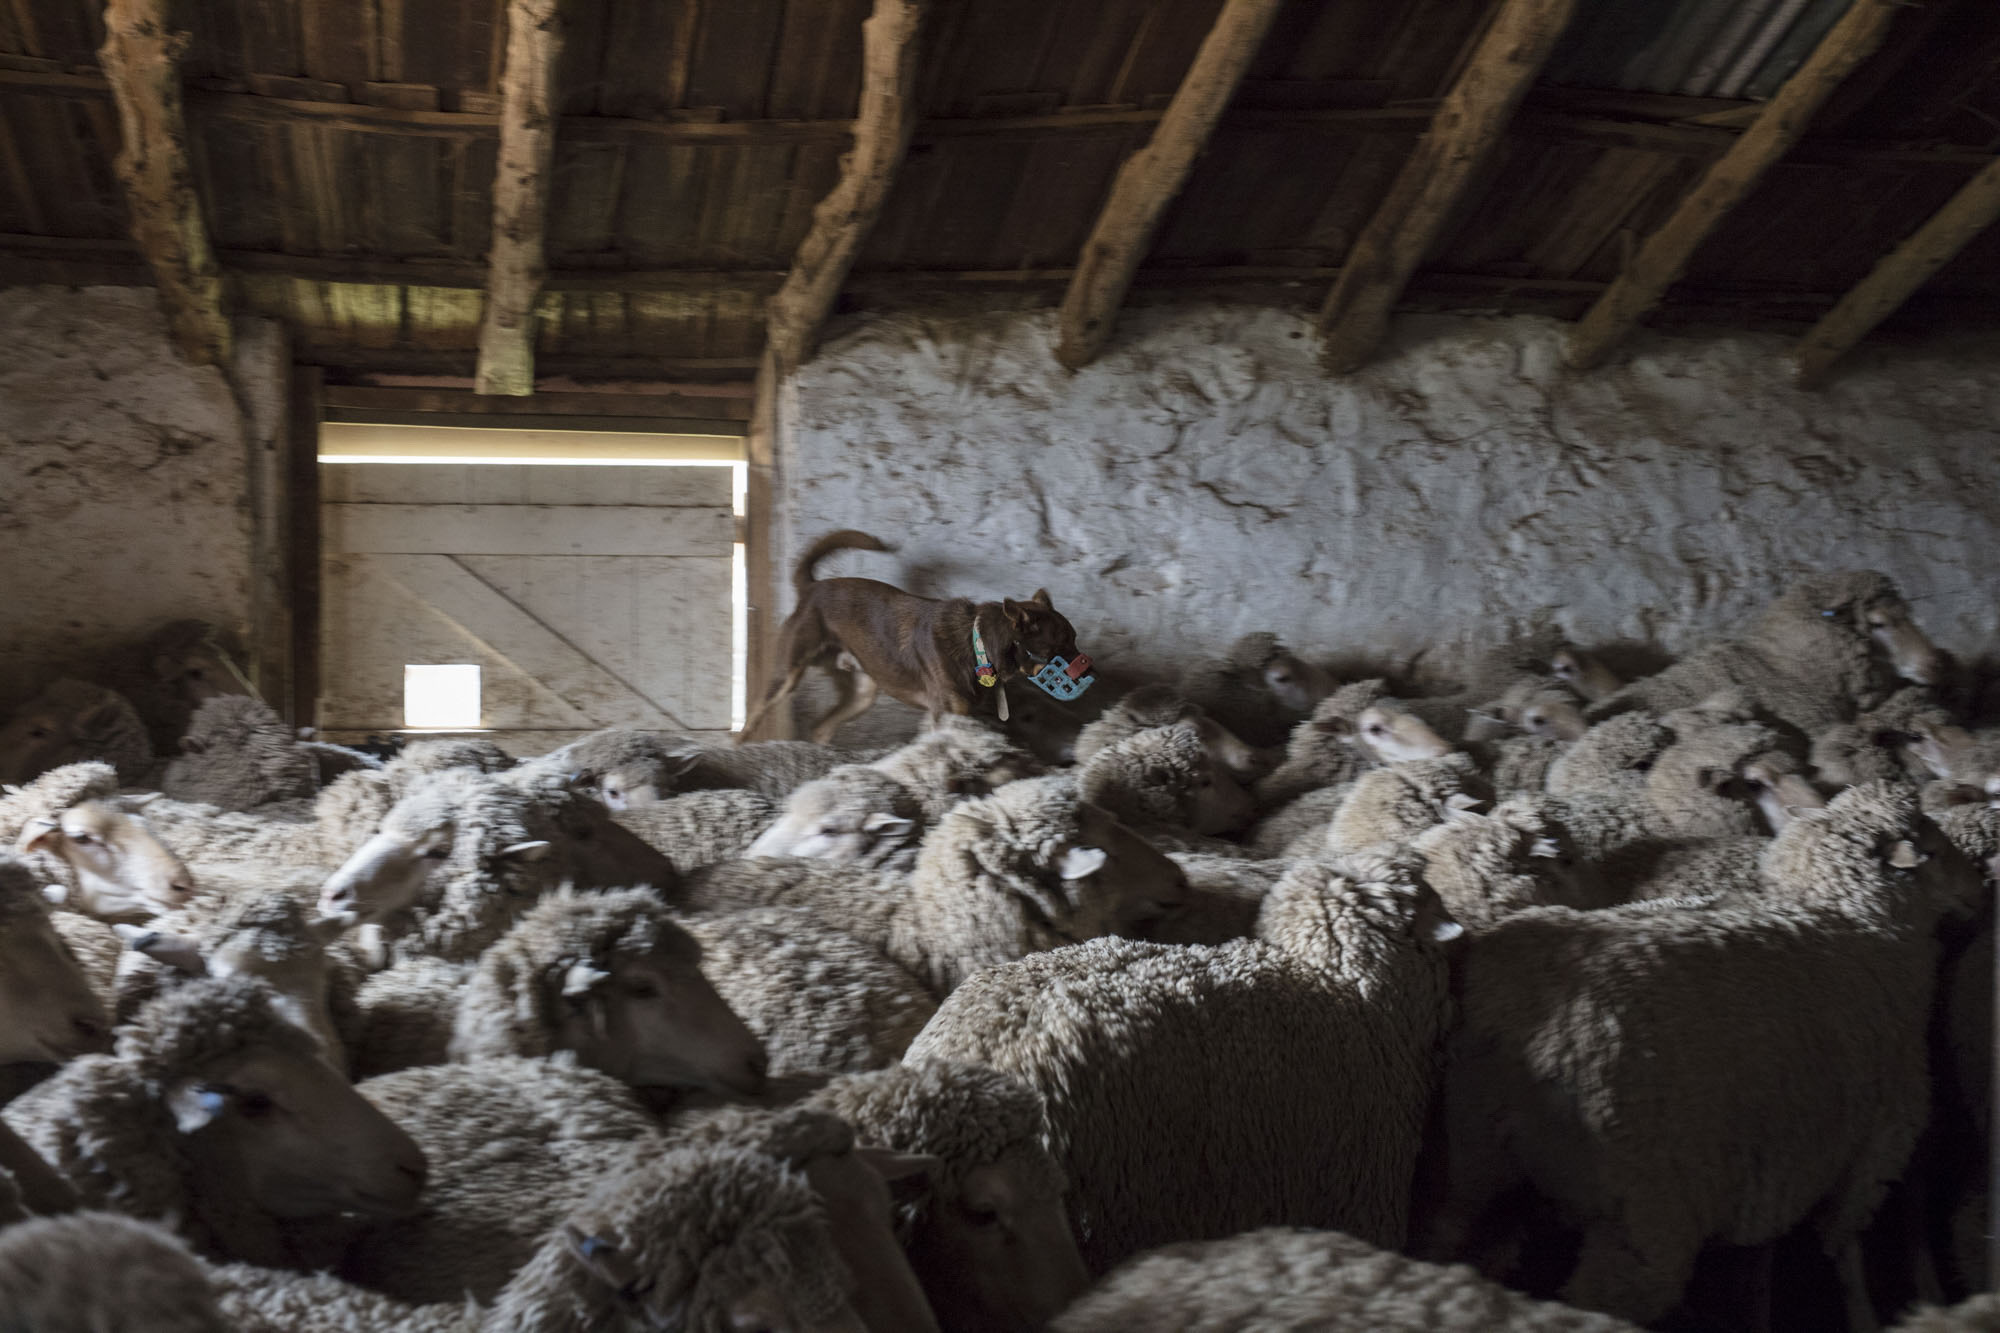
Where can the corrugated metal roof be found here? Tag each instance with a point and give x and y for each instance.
(1699, 48)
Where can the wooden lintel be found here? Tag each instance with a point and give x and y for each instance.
(1971, 211)
(1151, 177)
(1664, 256)
(518, 262)
(842, 220)
(141, 59)
(1468, 127)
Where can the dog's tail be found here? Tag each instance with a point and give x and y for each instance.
(847, 539)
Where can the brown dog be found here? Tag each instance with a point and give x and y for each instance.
(870, 636)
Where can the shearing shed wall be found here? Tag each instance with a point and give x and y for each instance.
(123, 493)
(1204, 479)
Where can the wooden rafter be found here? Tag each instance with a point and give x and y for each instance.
(1972, 210)
(1468, 127)
(518, 262)
(1660, 262)
(141, 60)
(842, 220)
(1151, 178)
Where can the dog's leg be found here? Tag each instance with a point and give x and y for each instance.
(857, 696)
(774, 696)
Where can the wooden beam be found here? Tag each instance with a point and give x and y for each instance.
(1660, 262)
(519, 260)
(842, 220)
(760, 572)
(1151, 178)
(1906, 268)
(1467, 129)
(141, 59)
(302, 462)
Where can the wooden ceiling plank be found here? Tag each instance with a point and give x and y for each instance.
(1971, 211)
(141, 58)
(519, 260)
(1665, 255)
(1152, 177)
(882, 129)
(1467, 128)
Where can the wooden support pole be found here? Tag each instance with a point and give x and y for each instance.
(518, 262)
(141, 61)
(1909, 266)
(841, 222)
(1660, 262)
(1151, 178)
(1468, 127)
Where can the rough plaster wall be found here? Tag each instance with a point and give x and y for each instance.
(1205, 479)
(123, 500)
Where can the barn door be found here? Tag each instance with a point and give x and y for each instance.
(587, 595)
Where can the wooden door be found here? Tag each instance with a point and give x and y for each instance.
(588, 595)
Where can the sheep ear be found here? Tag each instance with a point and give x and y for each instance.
(1335, 726)
(582, 978)
(537, 849)
(132, 802)
(326, 929)
(1077, 862)
(42, 834)
(1545, 847)
(195, 1106)
(1904, 855)
(193, 745)
(892, 1165)
(176, 951)
(1463, 802)
(889, 826)
(372, 943)
(605, 1261)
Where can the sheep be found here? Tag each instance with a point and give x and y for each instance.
(960, 757)
(1297, 822)
(1582, 672)
(102, 1273)
(848, 897)
(92, 855)
(1395, 804)
(48, 1011)
(464, 854)
(627, 768)
(1484, 866)
(1259, 689)
(265, 1300)
(172, 672)
(855, 814)
(986, 1233)
(1324, 1032)
(1612, 754)
(1281, 1278)
(1152, 706)
(350, 808)
(69, 722)
(405, 1015)
(238, 754)
(1681, 1122)
(703, 827)
(218, 1115)
(1356, 728)
(1164, 784)
(1224, 895)
(613, 978)
(1898, 741)
(1829, 648)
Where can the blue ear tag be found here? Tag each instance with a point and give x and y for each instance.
(1064, 680)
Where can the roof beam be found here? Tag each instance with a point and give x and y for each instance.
(1469, 125)
(518, 262)
(1151, 177)
(1660, 262)
(141, 59)
(842, 220)
(1972, 210)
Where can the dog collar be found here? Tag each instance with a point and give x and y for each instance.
(981, 663)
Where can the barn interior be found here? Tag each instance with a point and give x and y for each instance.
(1504, 374)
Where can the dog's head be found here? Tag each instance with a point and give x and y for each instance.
(1039, 632)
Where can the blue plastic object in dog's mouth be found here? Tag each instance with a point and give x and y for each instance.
(1064, 680)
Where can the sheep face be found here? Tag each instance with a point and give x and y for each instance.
(122, 871)
(1388, 733)
(1591, 679)
(281, 1131)
(1242, 761)
(1553, 717)
(851, 815)
(1897, 637)
(56, 729)
(852, 1187)
(999, 1257)
(290, 958)
(388, 872)
(47, 1008)
(1217, 802)
(654, 1021)
(1113, 881)
(1296, 685)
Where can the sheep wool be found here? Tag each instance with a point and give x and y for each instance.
(102, 1273)
(1396, 803)
(238, 754)
(701, 828)
(1320, 751)
(959, 758)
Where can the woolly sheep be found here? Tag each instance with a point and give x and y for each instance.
(986, 1232)
(1689, 1124)
(172, 672)
(613, 978)
(267, 1300)
(102, 1273)
(1323, 1280)
(1258, 690)
(218, 1115)
(1394, 804)
(855, 814)
(1354, 729)
(1612, 754)
(628, 768)
(92, 855)
(405, 1015)
(238, 754)
(1584, 673)
(1164, 781)
(69, 722)
(48, 1010)
(1324, 1033)
(1485, 866)
(1827, 649)
(703, 827)
(1224, 895)
(1152, 706)
(1887, 744)
(960, 757)
(848, 897)
(1301, 818)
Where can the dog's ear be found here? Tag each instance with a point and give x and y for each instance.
(1041, 599)
(1017, 613)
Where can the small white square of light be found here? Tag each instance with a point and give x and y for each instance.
(441, 697)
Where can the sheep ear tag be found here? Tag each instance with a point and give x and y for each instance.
(194, 1106)
(1080, 861)
(1064, 680)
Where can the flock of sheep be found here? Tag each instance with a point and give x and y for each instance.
(1262, 1000)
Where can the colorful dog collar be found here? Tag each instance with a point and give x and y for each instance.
(981, 663)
